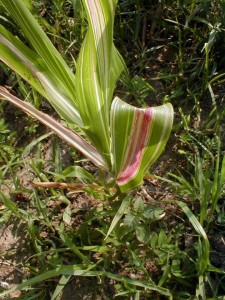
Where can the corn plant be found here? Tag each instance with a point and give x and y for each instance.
(121, 139)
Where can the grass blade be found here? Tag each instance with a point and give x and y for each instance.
(123, 207)
(75, 270)
(204, 248)
(146, 285)
(28, 148)
(65, 238)
(60, 286)
(77, 172)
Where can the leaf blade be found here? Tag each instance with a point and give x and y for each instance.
(40, 42)
(98, 67)
(33, 69)
(68, 135)
(123, 207)
(138, 138)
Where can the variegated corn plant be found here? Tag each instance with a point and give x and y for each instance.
(122, 139)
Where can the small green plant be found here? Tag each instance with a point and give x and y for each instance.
(205, 174)
(206, 186)
(9, 155)
(6, 147)
(136, 219)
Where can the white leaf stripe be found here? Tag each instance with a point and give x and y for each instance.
(24, 58)
(41, 42)
(36, 66)
(13, 61)
(95, 77)
(68, 135)
(60, 102)
(90, 98)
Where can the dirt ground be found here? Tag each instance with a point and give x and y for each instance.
(12, 244)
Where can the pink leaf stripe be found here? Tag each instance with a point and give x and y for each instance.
(136, 145)
(67, 134)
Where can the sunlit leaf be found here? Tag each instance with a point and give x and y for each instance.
(98, 68)
(34, 70)
(138, 138)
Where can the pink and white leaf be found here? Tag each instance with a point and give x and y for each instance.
(138, 138)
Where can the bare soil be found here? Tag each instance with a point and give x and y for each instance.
(12, 248)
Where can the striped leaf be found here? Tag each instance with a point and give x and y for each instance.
(41, 43)
(98, 68)
(66, 134)
(138, 138)
(34, 70)
(19, 58)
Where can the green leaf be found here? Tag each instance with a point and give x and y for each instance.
(222, 174)
(153, 213)
(142, 233)
(69, 243)
(98, 68)
(34, 143)
(183, 186)
(138, 138)
(60, 286)
(77, 172)
(20, 58)
(131, 221)
(162, 238)
(10, 204)
(122, 209)
(194, 221)
(138, 205)
(154, 240)
(67, 215)
(204, 248)
(218, 181)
